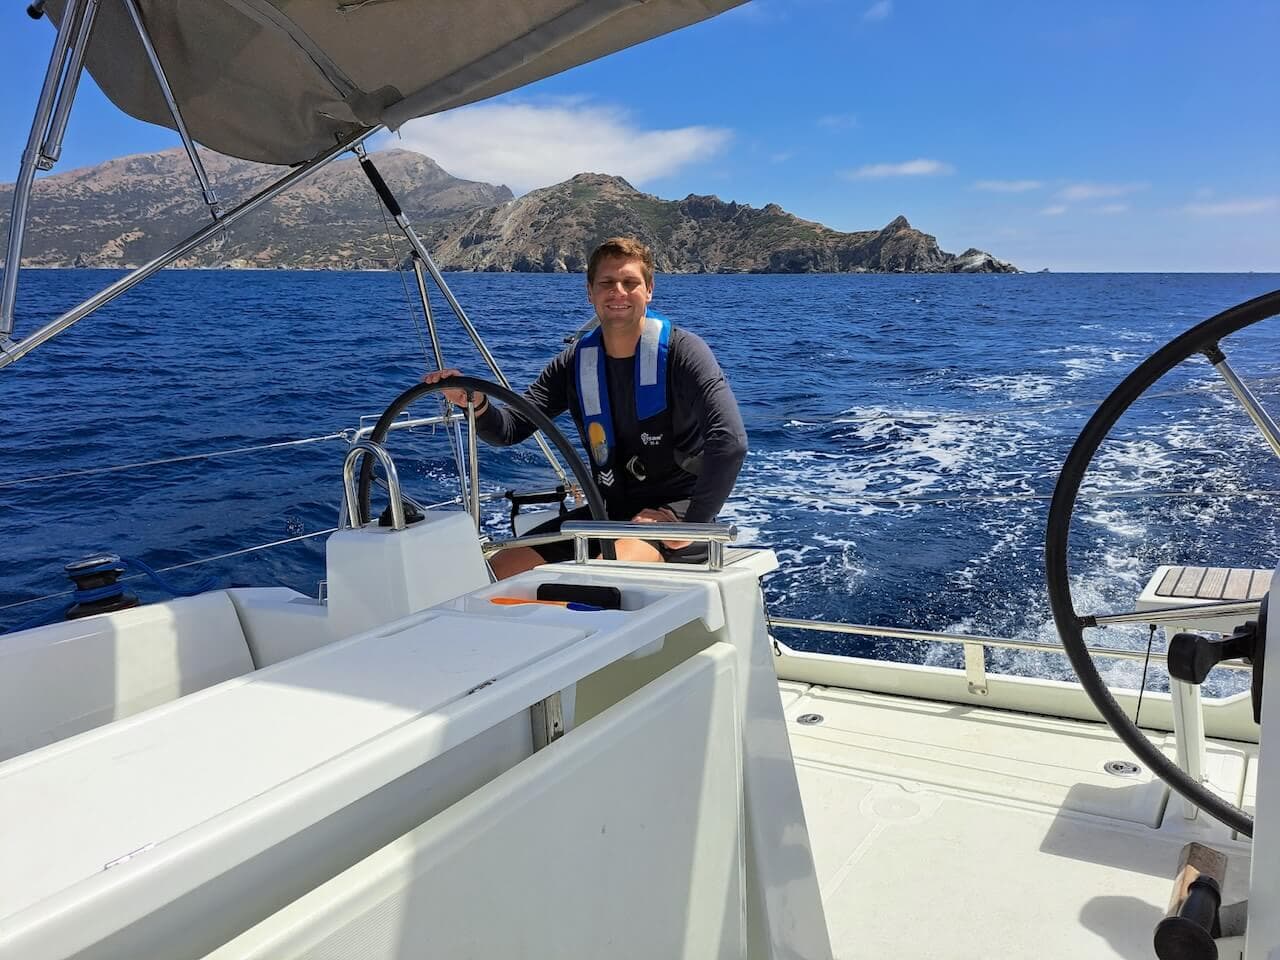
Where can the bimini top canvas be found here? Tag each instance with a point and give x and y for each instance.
(280, 81)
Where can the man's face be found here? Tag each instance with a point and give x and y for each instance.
(619, 292)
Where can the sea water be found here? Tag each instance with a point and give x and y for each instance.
(906, 432)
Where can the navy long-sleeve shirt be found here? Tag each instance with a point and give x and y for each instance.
(709, 440)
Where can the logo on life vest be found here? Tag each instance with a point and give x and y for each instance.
(636, 468)
(606, 478)
(599, 444)
(651, 439)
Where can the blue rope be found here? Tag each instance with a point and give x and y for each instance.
(203, 586)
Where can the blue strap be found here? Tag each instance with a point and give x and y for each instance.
(593, 397)
(651, 366)
(593, 385)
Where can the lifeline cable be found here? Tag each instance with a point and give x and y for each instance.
(1142, 687)
(340, 435)
(189, 563)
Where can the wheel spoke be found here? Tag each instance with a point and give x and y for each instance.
(1261, 419)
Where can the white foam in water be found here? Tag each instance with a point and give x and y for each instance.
(748, 518)
(1021, 387)
(892, 453)
(1116, 520)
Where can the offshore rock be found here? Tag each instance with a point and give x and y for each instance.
(127, 211)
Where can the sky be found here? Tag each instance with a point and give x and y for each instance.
(1137, 136)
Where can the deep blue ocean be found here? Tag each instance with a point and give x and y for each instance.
(905, 432)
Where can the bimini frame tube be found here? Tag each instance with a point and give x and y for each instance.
(52, 148)
(10, 351)
(455, 430)
(210, 198)
(27, 172)
(393, 207)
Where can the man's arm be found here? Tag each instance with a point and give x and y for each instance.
(549, 393)
(700, 388)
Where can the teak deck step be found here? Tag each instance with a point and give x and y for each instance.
(1214, 583)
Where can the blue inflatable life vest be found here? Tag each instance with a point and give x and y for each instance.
(593, 388)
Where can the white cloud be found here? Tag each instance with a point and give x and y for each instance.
(838, 121)
(879, 11)
(1008, 186)
(1113, 208)
(1234, 208)
(782, 157)
(912, 168)
(758, 11)
(527, 146)
(1054, 211)
(1099, 191)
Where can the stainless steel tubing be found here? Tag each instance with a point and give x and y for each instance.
(715, 535)
(480, 345)
(473, 461)
(416, 242)
(900, 633)
(407, 424)
(371, 448)
(51, 149)
(210, 198)
(27, 175)
(16, 351)
(1177, 614)
(455, 431)
(1252, 407)
(528, 540)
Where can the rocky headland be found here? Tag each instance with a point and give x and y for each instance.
(124, 212)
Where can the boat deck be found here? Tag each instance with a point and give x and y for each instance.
(957, 832)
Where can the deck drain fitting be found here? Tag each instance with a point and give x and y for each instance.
(809, 719)
(1122, 768)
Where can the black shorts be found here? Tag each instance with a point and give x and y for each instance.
(563, 550)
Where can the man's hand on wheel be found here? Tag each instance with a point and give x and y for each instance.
(457, 397)
(661, 515)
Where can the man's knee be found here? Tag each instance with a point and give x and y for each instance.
(637, 551)
(508, 563)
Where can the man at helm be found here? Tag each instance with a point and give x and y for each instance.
(660, 425)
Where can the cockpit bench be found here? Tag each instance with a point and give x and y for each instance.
(72, 676)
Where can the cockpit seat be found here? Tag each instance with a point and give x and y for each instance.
(68, 677)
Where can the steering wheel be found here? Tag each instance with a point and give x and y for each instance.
(512, 399)
(1203, 338)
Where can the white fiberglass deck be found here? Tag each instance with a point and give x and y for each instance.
(952, 832)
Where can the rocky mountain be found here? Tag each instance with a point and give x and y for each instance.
(555, 228)
(126, 211)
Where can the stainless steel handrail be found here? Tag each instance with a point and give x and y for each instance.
(1175, 614)
(372, 448)
(894, 633)
(715, 535)
(528, 540)
(409, 423)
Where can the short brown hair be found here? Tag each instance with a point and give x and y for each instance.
(628, 248)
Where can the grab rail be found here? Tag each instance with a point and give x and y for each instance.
(895, 633)
(715, 535)
(377, 450)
